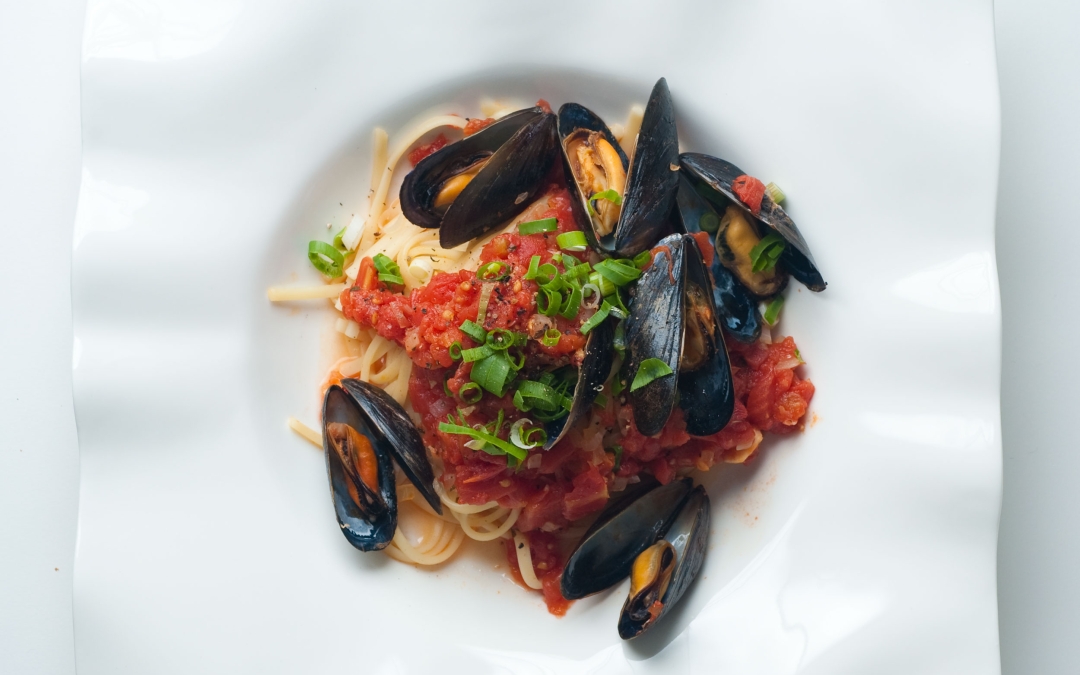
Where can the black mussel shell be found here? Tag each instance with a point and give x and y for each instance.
(688, 537)
(707, 392)
(738, 308)
(519, 151)
(594, 371)
(675, 289)
(716, 176)
(626, 527)
(651, 180)
(401, 437)
(369, 524)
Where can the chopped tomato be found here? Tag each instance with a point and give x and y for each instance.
(541, 103)
(419, 153)
(705, 245)
(750, 191)
(547, 565)
(477, 123)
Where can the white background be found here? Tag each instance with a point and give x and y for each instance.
(1039, 66)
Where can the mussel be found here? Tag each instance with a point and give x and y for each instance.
(740, 230)
(641, 189)
(363, 428)
(661, 573)
(591, 375)
(738, 308)
(673, 319)
(656, 535)
(470, 187)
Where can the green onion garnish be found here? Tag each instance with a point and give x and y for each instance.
(389, 272)
(496, 270)
(546, 274)
(548, 302)
(597, 318)
(619, 341)
(617, 451)
(772, 312)
(481, 308)
(551, 337)
(763, 257)
(455, 351)
(338, 243)
(774, 192)
(491, 372)
(617, 385)
(501, 339)
(516, 365)
(483, 435)
(534, 268)
(539, 396)
(649, 370)
(470, 393)
(572, 241)
(610, 195)
(605, 286)
(326, 258)
(570, 309)
(476, 353)
(600, 401)
(533, 437)
(475, 331)
(642, 260)
(619, 272)
(537, 226)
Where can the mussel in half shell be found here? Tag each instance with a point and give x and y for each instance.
(363, 428)
(593, 372)
(737, 306)
(673, 319)
(636, 195)
(628, 525)
(661, 573)
(740, 230)
(477, 184)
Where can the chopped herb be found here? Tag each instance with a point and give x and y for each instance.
(327, 259)
(475, 331)
(772, 312)
(389, 272)
(649, 370)
(572, 241)
(537, 226)
(764, 255)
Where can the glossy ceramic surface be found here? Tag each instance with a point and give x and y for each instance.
(219, 137)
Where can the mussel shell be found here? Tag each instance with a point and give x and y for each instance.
(737, 306)
(689, 536)
(717, 174)
(707, 393)
(400, 436)
(651, 179)
(368, 529)
(593, 372)
(626, 527)
(520, 149)
(654, 330)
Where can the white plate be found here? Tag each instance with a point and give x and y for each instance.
(219, 137)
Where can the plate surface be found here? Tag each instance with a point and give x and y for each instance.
(219, 137)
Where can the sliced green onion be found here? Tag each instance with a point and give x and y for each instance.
(569, 261)
(546, 274)
(774, 192)
(619, 272)
(642, 260)
(548, 302)
(605, 286)
(470, 393)
(763, 257)
(617, 385)
(534, 268)
(496, 270)
(709, 222)
(649, 370)
(539, 396)
(338, 243)
(501, 339)
(772, 312)
(590, 296)
(516, 365)
(389, 272)
(476, 353)
(537, 226)
(485, 296)
(617, 451)
(492, 373)
(600, 401)
(482, 435)
(570, 309)
(455, 351)
(529, 438)
(578, 273)
(610, 195)
(597, 318)
(572, 241)
(474, 330)
(551, 337)
(619, 341)
(326, 258)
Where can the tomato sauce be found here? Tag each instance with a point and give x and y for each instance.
(605, 452)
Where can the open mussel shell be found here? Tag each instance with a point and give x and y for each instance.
(594, 371)
(737, 306)
(400, 435)
(673, 319)
(650, 181)
(507, 162)
(714, 176)
(366, 513)
(628, 525)
(661, 573)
